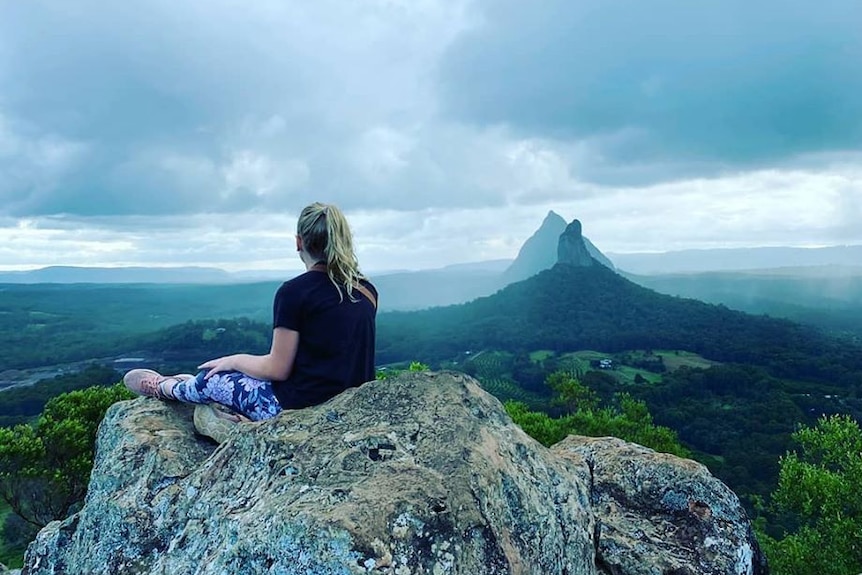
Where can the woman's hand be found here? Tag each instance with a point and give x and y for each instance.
(226, 363)
(274, 366)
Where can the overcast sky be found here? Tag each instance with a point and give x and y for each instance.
(192, 133)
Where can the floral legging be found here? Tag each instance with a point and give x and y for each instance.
(244, 394)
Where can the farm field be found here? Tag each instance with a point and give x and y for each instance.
(633, 367)
(493, 369)
(675, 359)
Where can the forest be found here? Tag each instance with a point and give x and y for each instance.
(732, 388)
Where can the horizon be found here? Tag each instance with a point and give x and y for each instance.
(445, 129)
(269, 273)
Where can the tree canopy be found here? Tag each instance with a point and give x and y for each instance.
(45, 467)
(820, 485)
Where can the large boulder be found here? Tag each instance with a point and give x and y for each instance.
(422, 474)
(660, 514)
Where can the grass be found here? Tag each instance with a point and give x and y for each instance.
(626, 374)
(541, 355)
(675, 359)
(588, 355)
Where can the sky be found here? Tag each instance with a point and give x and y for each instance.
(192, 133)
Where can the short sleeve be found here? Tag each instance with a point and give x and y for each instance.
(374, 292)
(286, 308)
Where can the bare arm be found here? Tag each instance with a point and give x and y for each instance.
(274, 366)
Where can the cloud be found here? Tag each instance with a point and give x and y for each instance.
(768, 207)
(187, 106)
(720, 81)
(800, 207)
(33, 163)
(193, 132)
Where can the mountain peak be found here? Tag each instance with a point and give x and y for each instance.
(537, 253)
(541, 250)
(571, 248)
(553, 219)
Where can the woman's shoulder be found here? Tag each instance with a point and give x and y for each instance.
(303, 282)
(367, 283)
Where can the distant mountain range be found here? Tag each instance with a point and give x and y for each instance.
(538, 253)
(782, 281)
(568, 308)
(400, 290)
(737, 259)
(73, 274)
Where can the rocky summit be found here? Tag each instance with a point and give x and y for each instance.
(541, 250)
(571, 249)
(420, 474)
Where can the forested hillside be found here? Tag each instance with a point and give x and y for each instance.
(760, 377)
(46, 324)
(568, 308)
(827, 297)
(732, 386)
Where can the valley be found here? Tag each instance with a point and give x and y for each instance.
(732, 386)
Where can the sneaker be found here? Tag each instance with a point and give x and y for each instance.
(152, 383)
(216, 421)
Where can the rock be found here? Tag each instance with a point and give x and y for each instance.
(540, 251)
(571, 249)
(421, 474)
(658, 513)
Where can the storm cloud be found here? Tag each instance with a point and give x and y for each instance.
(729, 81)
(446, 129)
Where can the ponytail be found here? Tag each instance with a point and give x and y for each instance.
(326, 237)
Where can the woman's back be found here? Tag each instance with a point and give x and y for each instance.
(336, 338)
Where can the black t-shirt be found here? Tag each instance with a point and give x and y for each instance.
(336, 339)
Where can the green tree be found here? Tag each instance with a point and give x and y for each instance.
(571, 394)
(45, 467)
(821, 485)
(629, 419)
(540, 426)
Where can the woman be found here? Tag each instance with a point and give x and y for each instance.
(322, 338)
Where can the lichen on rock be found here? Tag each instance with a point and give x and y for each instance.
(658, 513)
(423, 473)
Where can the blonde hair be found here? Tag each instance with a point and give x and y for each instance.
(326, 237)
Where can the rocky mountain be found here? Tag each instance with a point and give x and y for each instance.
(424, 473)
(539, 252)
(573, 307)
(572, 248)
(400, 290)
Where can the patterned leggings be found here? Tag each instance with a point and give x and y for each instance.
(244, 394)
